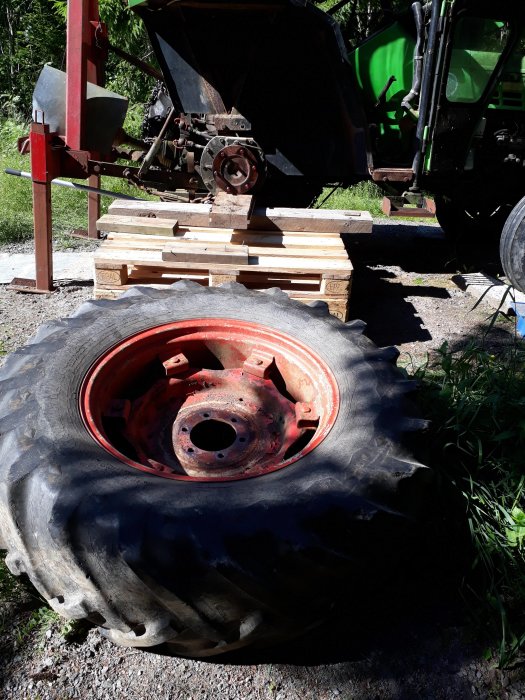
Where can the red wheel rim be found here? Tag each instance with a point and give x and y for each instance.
(209, 400)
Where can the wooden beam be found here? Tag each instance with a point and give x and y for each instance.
(312, 221)
(137, 224)
(221, 254)
(231, 210)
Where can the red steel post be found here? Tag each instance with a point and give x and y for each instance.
(78, 39)
(94, 75)
(42, 172)
(83, 65)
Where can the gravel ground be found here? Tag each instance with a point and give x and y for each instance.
(418, 646)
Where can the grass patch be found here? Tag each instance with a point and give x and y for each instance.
(14, 595)
(476, 401)
(365, 196)
(36, 624)
(69, 207)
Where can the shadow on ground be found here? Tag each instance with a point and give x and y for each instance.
(422, 248)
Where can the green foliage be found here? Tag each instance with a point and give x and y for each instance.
(30, 35)
(476, 401)
(8, 583)
(35, 624)
(69, 207)
(364, 196)
(126, 31)
(360, 18)
(33, 33)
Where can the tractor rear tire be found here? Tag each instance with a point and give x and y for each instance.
(512, 247)
(204, 565)
(472, 216)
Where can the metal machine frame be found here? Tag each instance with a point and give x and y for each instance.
(54, 154)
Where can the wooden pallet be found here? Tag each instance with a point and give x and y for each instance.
(308, 265)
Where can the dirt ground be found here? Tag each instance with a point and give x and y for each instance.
(419, 645)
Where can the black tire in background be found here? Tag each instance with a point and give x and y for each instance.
(472, 217)
(204, 567)
(512, 247)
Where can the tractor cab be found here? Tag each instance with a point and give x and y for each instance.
(443, 90)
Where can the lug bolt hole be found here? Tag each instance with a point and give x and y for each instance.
(234, 420)
(190, 449)
(184, 430)
(205, 415)
(242, 439)
(220, 456)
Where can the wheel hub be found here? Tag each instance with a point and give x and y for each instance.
(263, 400)
(237, 424)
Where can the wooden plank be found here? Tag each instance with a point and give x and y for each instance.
(264, 219)
(303, 283)
(191, 252)
(186, 213)
(217, 236)
(179, 246)
(231, 210)
(312, 220)
(263, 263)
(137, 224)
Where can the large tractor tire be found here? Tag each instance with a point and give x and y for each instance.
(207, 468)
(472, 216)
(512, 247)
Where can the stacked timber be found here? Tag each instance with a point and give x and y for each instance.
(299, 250)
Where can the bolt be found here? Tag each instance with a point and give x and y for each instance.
(241, 151)
(96, 169)
(258, 362)
(307, 409)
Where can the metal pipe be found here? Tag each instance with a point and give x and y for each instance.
(150, 155)
(338, 5)
(418, 58)
(74, 186)
(426, 93)
(137, 62)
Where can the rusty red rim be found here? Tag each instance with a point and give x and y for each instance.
(209, 400)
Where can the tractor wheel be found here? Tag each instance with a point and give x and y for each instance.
(471, 217)
(512, 246)
(207, 468)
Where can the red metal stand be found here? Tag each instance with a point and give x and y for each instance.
(55, 154)
(43, 170)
